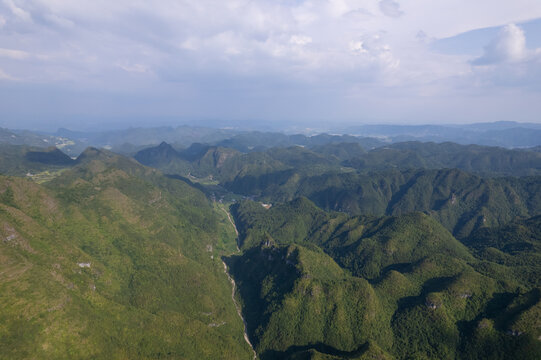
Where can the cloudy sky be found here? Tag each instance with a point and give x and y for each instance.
(85, 64)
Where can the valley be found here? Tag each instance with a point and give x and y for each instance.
(329, 251)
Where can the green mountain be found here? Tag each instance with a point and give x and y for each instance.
(472, 158)
(461, 201)
(112, 260)
(401, 178)
(158, 156)
(260, 141)
(339, 152)
(226, 164)
(517, 244)
(22, 160)
(326, 285)
(413, 251)
(327, 154)
(197, 160)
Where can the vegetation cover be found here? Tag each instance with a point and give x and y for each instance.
(328, 285)
(112, 260)
(463, 187)
(348, 248)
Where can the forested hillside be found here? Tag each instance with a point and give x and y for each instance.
(112, 260)
(315, 282)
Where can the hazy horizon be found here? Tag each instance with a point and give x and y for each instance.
(244, 126)
(268, 64)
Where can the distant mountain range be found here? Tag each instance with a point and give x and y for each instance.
(508, 134)
(129, 141)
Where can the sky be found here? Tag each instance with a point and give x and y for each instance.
(315, 63)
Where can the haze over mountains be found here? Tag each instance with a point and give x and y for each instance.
(190, 243)
(506, 134)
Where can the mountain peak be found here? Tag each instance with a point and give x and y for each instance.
(92, 153)
(161, 154)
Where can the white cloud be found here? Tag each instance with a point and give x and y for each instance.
(508, 46)
(59, 21)
(331, 44)
(134, 68)
(300, 40)
(270, 36)
(390, 8)
(14, 54)
(446, 18)
(5, 76)
(189, 44)
(357, 47)
(18, 11)
(508, 63)
(338, 8)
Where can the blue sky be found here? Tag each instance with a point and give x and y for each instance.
(90, 64)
